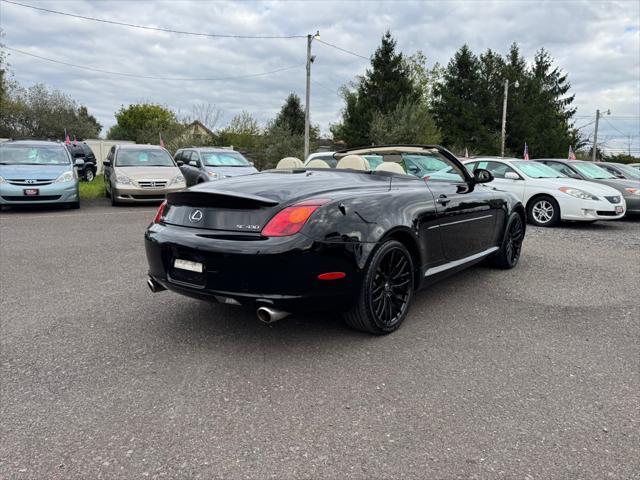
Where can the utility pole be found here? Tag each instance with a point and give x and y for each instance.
(504, 113)
(310, 60)
(595, 134)
(595, 138)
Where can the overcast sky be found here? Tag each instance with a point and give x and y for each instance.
(596, 43)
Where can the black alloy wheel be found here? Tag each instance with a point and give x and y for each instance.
(511, 248)
(386, 292)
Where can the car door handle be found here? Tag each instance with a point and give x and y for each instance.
(443, 200)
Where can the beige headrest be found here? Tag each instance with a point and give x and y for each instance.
(390, 167)
(290, 162)
(317, 163)
(354, 162)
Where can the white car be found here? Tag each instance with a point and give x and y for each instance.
(550, 196)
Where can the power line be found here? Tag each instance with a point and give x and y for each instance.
(340, 48)
(158, 29)
(150, 77)
(619, 131)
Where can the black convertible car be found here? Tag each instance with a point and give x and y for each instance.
(348, 239)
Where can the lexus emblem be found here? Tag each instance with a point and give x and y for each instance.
(195, 216)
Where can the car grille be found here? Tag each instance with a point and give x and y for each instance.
(613, 199)
(152, 183)
(33, 198)
(30, 182)
(602, 213)
(147, 197)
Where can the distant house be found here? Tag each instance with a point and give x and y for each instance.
(198, 132)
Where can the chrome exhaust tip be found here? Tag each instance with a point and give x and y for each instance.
(270, 315)
(154, 286)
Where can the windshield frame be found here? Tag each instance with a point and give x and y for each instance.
(230, 153)
(120, 151)
(56, 148)
(579, 166)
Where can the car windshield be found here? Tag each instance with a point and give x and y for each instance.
(33, 155)
(592, 171)
(224, 159)
(629, 171)
(431, 167)
(537, 170)
(140, 157)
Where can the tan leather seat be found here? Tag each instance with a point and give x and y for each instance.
(390, 167)
(354, 162)
(290, 162)
(317, 163)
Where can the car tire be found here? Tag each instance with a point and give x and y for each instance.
(74, 205)
(386, 291)
(509, 253)
(543, 211)
(114, 202)
(89, 175)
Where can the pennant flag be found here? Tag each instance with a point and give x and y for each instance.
(67, 140)
(526, 152)
(572, 155)
(161, 142)
(466, 152)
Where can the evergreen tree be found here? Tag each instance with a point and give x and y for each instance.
(291, 116)
(383, 88)
(455, 106)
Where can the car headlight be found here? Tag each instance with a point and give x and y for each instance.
(123, 180)
(632, 191)
(177, 180)
(2, 180)
(575, 192)
(214, 175)
(68, 176)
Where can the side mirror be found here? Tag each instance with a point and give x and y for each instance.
(106, 163)
(482, 176)
(179, 163)
(512, 176)
(79, 162)
(193, 163)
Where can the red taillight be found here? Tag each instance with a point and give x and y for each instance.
(332, 276)
(160, 214)
(290, 220)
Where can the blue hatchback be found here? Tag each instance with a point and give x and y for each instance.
(37, 172)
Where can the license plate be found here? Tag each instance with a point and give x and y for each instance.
(188, 265)
(619, 209)
(31, 191)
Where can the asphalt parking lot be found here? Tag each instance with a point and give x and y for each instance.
(529, 373)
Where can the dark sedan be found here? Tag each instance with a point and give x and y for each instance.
(348, 239)
(592, 172)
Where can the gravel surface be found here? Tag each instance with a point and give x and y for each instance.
(531, 373)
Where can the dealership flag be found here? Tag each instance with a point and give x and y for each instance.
(572, 155)
(67, 140)
(526, 152)
(161, 142)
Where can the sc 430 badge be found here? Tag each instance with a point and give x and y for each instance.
(248, 227)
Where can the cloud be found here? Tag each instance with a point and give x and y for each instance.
(596, 43)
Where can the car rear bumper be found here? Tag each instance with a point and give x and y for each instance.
(53, 193)
(254, 271)
(132, 194)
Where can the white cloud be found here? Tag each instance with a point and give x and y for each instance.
(596, 43)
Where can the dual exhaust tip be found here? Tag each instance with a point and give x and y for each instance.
(265, 314)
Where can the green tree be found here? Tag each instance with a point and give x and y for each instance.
(455, 105)
(42, 113)
(291, 116)
(143, 123)
(385, 85)
(409, 122)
